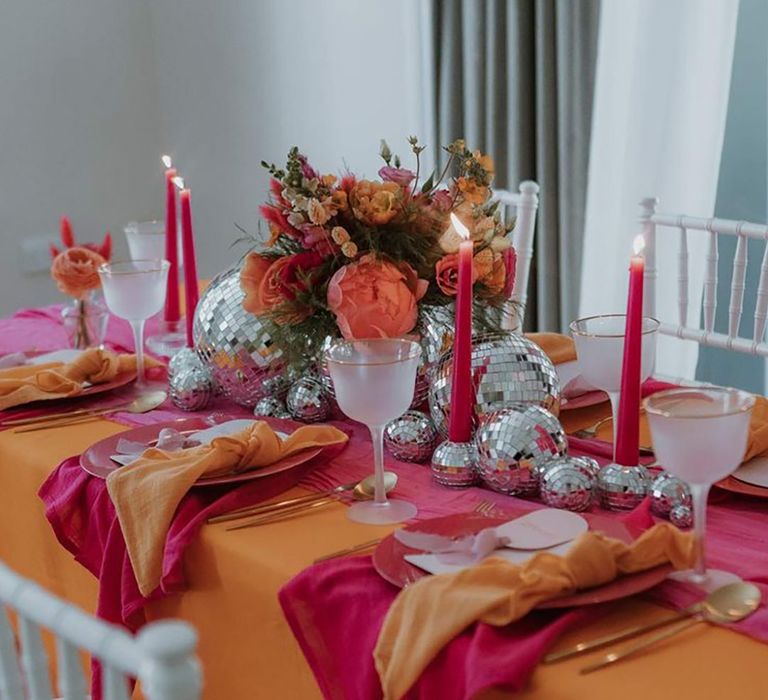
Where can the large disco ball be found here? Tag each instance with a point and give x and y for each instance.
(514, 446)
(507, 369)
(234, 343)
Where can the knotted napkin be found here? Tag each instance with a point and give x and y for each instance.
(434, 610)
(21, 385)
(147, 492)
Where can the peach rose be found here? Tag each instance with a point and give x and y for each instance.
(373, 298)
(374, 202)
(76, 271)
(491, 271)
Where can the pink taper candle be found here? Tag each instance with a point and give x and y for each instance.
(462, 392)
(190, 264)
(627, 432)
(172, 312)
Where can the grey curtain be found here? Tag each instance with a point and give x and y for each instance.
(515, 78)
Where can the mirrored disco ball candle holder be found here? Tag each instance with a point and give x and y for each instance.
(507, 369)
(454, 464)
(514, 447)
(307, 400)
(242, 357)
(191, 388)
(271, 407)
(412, 437)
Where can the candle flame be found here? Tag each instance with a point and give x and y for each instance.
(179, 182)
(459, 227)
(638, 245)
(167, 162)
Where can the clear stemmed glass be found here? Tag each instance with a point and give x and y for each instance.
(146, 239)
(600, 351)
(374, 381)
(135, 290)
(700, 435)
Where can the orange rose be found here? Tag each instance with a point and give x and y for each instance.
(447, 274)
(373, 298)
(76, 271)
(269, 283)
(472, 191)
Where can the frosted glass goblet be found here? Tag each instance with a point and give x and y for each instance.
(135, 290)
(374, 381)
(146, 240)
(600, 353)
(700, 435)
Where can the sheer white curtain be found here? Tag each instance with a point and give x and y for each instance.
(661, 97)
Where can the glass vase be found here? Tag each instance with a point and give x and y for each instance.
(85, 323)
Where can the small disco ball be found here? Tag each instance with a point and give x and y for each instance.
(191, 389)
(514, 444)
(666, 492)
(507, 369)
(681, 516)
(234, 343)
(567, 483)
(184, 359)
(622, 488)
(307, 400)
(271, 407)
(454, 464)
(412, 437)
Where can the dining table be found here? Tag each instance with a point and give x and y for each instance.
(232, 578)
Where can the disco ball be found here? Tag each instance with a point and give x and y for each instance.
(235, 343)
(507, 369)
(567, 482)
(514, 446)
(667, 491)
(411, 437)
(308, 401)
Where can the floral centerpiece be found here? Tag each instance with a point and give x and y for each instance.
(75, 271)
(361, 258)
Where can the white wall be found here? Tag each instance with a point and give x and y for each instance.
(79, 122)
(93, 91)
(243, 81)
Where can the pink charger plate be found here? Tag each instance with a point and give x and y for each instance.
(389, 562)
(97, 459)
(736, 485)
(590, 398)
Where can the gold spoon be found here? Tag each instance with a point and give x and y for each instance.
(729, 603)
(141, 404)
(362, 491)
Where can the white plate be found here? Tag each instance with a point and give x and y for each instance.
(754, 472)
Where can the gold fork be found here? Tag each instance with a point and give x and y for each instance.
(354, 549)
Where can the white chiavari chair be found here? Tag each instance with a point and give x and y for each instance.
(525, 204)
(656, 224)
(162, 656)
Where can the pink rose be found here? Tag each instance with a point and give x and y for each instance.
(442, 201)
(373, 298)
(401, 176)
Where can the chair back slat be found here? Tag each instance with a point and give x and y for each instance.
(11, 685)
(761, 305)
(71, 679)
(682, 277)
(114, 684)
(737, 285)
(162, 657)
(34, 661)
(655, 224)
(710, 284)
(526, 204)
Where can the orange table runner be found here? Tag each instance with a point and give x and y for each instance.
(246, 647)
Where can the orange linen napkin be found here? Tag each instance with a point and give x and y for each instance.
(558, 347)
(20, 385)
(430, 613)
(147, 492)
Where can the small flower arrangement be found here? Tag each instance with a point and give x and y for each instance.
(360, 257)
(75, 271)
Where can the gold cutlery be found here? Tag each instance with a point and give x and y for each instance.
(349, 550)
(729, 603)
(590, 433)
(361, 491)
(141, 404)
